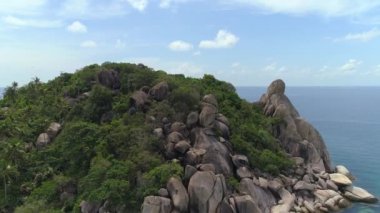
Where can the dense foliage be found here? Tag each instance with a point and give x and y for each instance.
(104, 152)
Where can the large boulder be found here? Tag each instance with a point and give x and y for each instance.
(160, 91)
(178, 194)
(245, 204)
(206, 191)
(344, 171)
(192, 119)
(340, 179)
(298, 137)
(358, 194)
(216, 153)
(262, 197)
(208, 115)
(155, 204)
(109, 78)
(139, 100)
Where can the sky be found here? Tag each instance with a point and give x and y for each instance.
(245, 42)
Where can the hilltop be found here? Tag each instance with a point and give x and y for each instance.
(127, 138)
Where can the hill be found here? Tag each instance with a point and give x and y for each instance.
(108, 137)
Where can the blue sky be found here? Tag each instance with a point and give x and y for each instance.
(246, 42)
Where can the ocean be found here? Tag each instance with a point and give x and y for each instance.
(348, 119)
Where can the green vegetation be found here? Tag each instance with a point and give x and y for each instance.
(104, 152)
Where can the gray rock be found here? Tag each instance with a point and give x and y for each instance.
(358, 194)
(344, 171)
(192, 119)
(160, 91)
(309, 206)
(178, 194)
(331, 185)
(194, 156)
(189, 171)
(220, 117)
(288, 202)
(206, 191)
(182, 146)
(179, 127)
(155, 204)
(163, 192)
(159, 132)
(340, 179)
(299, 137)
(223, 129)
(208, 115)
(139, 99)
(216, 153)
(244, 172)
(263, 197)
(53, 130)
(302, 185)
(240, 160)
(206, 167)
(42, 140)
(245, 204)
(210, 99)
(275, 185)
(109, 78)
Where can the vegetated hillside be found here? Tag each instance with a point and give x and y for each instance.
(102, 146)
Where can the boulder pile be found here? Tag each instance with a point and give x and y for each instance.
(311, 186)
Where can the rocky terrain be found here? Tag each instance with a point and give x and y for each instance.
(126, 138)
(312, 186)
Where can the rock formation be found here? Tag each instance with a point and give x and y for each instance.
(297, 136)
(311, 186)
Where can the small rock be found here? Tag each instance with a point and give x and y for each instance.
(331, 185)
(243, 172)
(344, 171)
(240, 160)
(182, 146)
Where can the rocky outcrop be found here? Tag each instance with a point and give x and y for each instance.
(202, 146)
(109, 78)
(46, 138)
(297, 136)
(160, 91)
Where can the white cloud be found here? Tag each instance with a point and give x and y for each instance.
(363, 36)
(39, 23)
(328, 8)
(139, 5)
(88, 44)
(187, 69)
(89, 9)
(180, 46)
(120, 44)
(350, 66)
(275, 69)
(21, 7)
(77, 27)
(223, 39)
(169, 3)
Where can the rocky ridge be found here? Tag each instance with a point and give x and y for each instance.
(202, 146)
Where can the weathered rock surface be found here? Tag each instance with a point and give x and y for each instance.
(206, 191)
(178, 194)
(340, 179)
(42, 140)
(109, 78)
(344, 171)
(297, 136)
(155, 204)
(160, 91)
(358, 194)
(245, 204)
(53, 130)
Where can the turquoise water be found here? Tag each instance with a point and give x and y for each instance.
(348, 118)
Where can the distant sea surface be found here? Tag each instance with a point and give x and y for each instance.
(348, 119)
